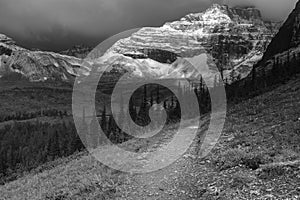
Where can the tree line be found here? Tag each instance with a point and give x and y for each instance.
(265, 75)
(26, 145)
(19, 116)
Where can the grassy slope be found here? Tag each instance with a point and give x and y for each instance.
(31, 97)
(23, 96)
(73, 178)
(258, 131)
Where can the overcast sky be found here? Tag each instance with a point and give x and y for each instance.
(60, 24)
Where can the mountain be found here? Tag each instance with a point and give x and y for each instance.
(288, 36)
(284, 49)
(78, 51)
(235, 38)
(267, 129)
(37, 65)
(223, 37)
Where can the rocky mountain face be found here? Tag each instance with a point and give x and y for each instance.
(235, 38)
(37, 65)
(7, 45)
(78, 51)
(6, 40)
(288, 36)
(284, 47)
(226, 38)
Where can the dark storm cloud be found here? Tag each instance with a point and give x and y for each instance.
(58, 24)
(271, 9)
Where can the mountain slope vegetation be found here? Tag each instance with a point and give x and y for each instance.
(258, 132)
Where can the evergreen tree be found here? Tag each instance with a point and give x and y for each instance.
(288, 67)
(104, 120)
(294, 65)
(83, 131)
(143, 113)
(151, 99)
(121, 113)
(201, 84)
(53, 145)
(3, 162)
(56, 144)
(157, 94)
(254, 78)
(94, 132)
(297, 66)
(172, 101)
(216, 81)
(232, 76)
(165, 105)
(274, 70)
(112, 130)
(177, 110)
(264, 78)
(132, 110)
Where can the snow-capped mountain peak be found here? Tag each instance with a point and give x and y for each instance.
(37, 65)
(6, 40)
(233, 38)
(214, 15)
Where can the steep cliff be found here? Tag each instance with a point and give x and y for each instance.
(235, 38)
(288, 36)
(230, 38)
(37, 65)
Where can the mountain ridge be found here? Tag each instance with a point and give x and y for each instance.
(225, 34)
(37, 65)
(288, 35)
(231, 38)
(78, 51)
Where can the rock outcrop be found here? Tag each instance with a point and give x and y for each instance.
(230, 38)
(37, 65)
(235, 38)
(288, 36)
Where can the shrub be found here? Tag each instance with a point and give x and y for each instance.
(271, 172)
(240, 180)
(235, 157)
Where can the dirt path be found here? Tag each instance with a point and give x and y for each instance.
(261, 128)
(180, 180)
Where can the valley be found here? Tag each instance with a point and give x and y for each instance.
(237, 168)
(49, 131)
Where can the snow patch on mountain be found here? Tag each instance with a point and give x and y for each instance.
(231, 39)
(38, 65)
(235, 38)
